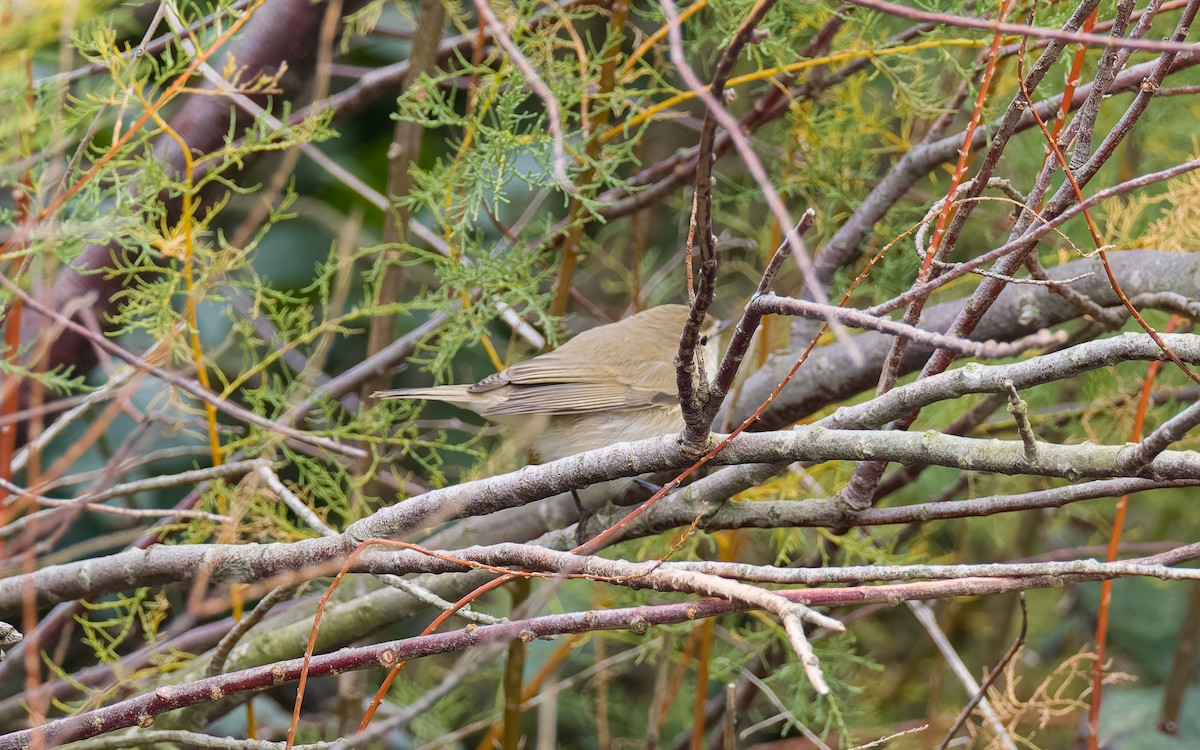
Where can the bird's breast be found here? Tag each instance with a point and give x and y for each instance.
(566, 435)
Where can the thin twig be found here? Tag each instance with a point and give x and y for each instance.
(991, 678)
(924, 614)
(553, 113)
(184, 384)
(1020, 413)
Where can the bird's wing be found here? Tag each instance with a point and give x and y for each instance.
(578, 398)
(551, 367)
(579, 377)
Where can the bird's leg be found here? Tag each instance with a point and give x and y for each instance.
(585, 515)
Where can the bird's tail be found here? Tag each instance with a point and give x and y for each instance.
(451, 394)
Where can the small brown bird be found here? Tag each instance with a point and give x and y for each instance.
(610, 384)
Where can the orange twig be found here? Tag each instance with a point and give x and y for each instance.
(189, 259)
(176, 86)
(1114, 542)
(8, 432)
(1072, 81)
(1095, 233)
(965, 152)
(534, 684)
(1151, 372)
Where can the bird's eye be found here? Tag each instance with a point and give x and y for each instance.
(704, 341)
